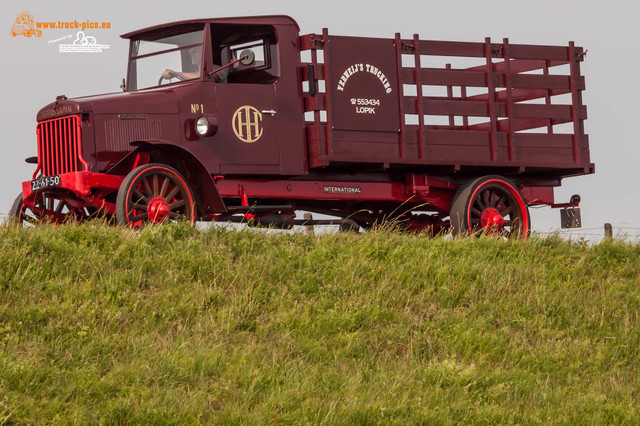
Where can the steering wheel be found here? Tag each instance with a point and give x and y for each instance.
(171, 75)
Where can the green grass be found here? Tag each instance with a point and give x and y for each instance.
(172, 325)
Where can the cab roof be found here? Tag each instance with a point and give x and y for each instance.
(248, 20)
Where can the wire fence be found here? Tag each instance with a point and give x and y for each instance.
(622, 233)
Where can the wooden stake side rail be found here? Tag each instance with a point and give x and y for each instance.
(489, 104)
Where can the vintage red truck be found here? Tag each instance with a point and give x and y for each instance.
(227, 119)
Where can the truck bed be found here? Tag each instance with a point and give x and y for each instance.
(495, 107)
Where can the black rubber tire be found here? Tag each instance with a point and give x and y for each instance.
(475, 199)
(349, 225)
(17, 214)
(174, 195)
(55, 211)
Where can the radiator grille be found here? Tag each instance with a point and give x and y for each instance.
(60, 146)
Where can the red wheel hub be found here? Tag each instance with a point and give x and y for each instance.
(491, 220)
(158, 209)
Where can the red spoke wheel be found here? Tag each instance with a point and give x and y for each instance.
(48, 209)
(154, 193)
(491, 205)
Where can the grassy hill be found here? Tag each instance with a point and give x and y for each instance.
(172, 325)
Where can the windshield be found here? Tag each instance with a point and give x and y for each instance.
(166, 60)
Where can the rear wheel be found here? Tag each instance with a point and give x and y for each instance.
(154, 193)
(491, 205)
(349, 225)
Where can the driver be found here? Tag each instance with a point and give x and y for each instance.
(195, 53)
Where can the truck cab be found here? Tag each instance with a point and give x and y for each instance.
(239, 76)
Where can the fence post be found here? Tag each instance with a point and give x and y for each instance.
(608, 231)
(308, 228)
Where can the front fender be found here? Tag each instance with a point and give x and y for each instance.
(160, 151)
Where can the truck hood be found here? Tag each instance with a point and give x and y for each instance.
(158, 100)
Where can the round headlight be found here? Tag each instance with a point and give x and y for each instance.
(202, 126)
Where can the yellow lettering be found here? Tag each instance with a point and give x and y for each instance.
(246, 124)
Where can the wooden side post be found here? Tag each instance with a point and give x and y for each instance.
(308, 228)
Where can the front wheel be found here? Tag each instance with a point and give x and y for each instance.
(154, 193)
(23, 215)
(47, 209)
(491, 205)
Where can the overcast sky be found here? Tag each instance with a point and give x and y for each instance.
(34, 72)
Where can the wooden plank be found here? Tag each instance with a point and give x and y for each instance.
(318, 140)
(443, 106)
(518, 65)
(364, 151)
(520, 95)
(450, 48)
(318, 71)
(529, 51)
(419, 104)
(457, 155)
(315, 141)
(457, 138)
(532, 140)
(562, 82)
(455, 107)
(452, 120)
(491, 89)
(444, 77)
(315, 103)
(547, 96)
(550, 156)
(477, 157)
(364, 136)
(400, 136)
(557, 112)
(327, 66)
(509, 92)
(576, 102)
(519, 124)
(453, 77)
(410, 105)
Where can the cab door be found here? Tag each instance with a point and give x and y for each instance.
(247, 128)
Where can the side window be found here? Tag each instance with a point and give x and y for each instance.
(257, 67)
(258, 48)
(249, 53)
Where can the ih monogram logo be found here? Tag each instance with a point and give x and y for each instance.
(247, 124)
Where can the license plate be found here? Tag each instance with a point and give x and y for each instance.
(570, 218)
(45, 182)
